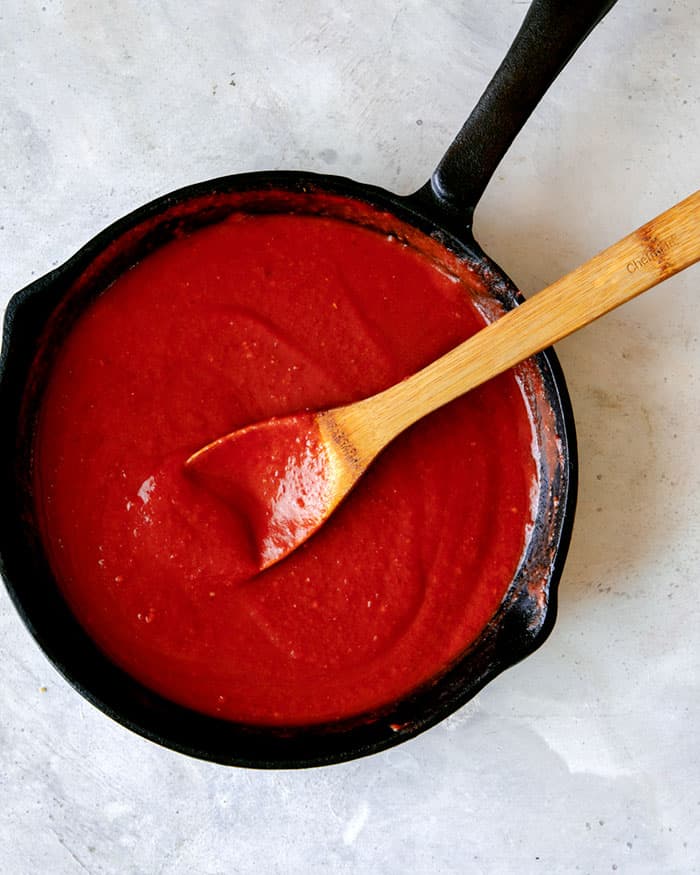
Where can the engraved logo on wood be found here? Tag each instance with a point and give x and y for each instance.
(653, 253)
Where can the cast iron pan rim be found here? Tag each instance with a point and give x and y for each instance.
(420, 212)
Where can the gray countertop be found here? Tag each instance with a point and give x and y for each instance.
(585, 756)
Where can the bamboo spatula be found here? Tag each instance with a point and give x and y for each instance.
(287, 475)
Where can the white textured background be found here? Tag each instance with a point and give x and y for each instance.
(584, 758)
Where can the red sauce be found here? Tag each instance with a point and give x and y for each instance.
(278, 475)
(252, 318)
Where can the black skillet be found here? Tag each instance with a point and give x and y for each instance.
(439, 217)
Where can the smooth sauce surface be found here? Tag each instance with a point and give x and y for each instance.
(255, 317)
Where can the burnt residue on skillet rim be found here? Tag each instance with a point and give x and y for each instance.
(439, 215)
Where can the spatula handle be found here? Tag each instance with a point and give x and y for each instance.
(664, 246)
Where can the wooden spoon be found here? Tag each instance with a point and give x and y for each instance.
(287, 475)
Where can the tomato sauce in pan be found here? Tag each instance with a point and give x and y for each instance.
(254, 317)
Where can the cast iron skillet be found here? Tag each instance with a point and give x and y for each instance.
(439, 215)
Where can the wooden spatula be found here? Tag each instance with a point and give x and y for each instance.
(287, 475)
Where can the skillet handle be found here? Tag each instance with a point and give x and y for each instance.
(549, 36)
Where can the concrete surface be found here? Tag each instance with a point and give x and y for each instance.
(584, 758)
